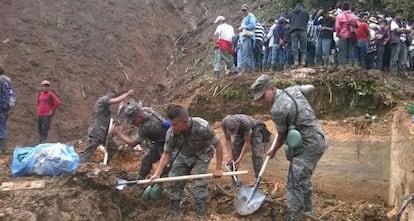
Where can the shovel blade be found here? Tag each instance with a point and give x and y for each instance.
(120, 184)
(244, 205)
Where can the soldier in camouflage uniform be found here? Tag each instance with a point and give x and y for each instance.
(97, 131)
(305, 158)
(196, 141)
(247, 133)
(151, 127)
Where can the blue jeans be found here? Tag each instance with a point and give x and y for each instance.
(361, 52)
(257, 59)
(345, 51)
(246, 53)
(238, 58)
(278, 56)
(323, 50)
(380, 56)
(4, 116)
(267, 56)
(398, 58)
(299, 37)
(289, 55)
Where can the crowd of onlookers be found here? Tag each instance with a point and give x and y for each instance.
(324, 37)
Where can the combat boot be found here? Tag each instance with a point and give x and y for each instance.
(217, 74)
(3, 147)
(174, 209)
(201, 208)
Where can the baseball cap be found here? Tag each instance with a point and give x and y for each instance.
(244, 7)
(260, 85)
(44, 83)
(282, 20)
(131, 111)
(219, 18)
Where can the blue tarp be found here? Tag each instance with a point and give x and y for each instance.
(48, 159)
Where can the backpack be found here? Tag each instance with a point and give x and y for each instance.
(7, 94)
(165, 123)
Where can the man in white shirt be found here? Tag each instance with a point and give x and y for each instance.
(224, 50)
(398, 43)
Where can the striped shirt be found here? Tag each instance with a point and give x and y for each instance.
(259, 34)
(313, 31)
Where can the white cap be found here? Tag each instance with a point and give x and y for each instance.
(219, 18)
(45, 82)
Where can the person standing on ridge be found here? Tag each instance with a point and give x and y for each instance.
(47, 103)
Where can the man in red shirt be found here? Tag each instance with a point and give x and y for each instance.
(47, 102)
(362, 44)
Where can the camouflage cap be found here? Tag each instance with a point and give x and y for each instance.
(230, 123)
(260, 85)
(131, 111)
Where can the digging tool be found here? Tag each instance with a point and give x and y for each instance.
(404, 206)
(120, 184)
(103, 148)
(250, 199)
(231, 168)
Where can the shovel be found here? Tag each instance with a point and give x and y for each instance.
(231, 168)
(250, 199)
(120, 184)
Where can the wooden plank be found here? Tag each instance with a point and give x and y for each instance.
(23, 185)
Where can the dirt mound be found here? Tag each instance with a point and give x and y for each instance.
(89, 194)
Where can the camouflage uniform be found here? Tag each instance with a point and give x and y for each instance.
(98, 130)
(247, 127)
(153, 130)
(197, 149)
(299, 185)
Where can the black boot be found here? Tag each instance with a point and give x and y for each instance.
(201, 208)
(174, 209)
(3, 146)
(217, 74)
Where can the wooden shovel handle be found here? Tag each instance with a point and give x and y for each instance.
(189, 177)
(267, 157)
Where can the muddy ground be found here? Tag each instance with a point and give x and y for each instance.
(163, 49)
(89, 194)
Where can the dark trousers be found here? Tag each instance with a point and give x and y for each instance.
(310, 57)
(93, 144)
(43, 124)
(153, 155)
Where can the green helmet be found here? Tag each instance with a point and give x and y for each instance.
(153, 192)
(156, 192)
(288, 152)
(294, 138)
(146, 194)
